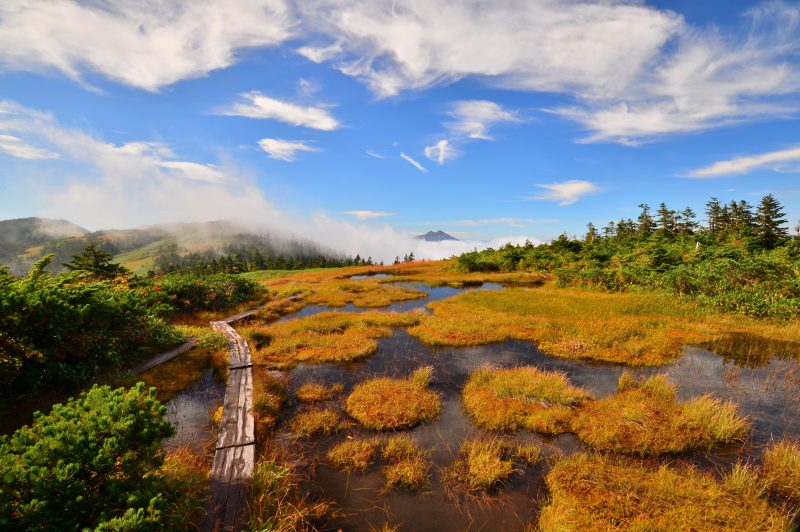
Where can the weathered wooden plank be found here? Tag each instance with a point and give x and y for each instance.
(239, 350)
(163, 357)
(237, 426)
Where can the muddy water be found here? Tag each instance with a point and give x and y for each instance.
(190, 412)
(768, 394)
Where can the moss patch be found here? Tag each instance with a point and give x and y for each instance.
(612, 493)
(322, 338)
(524, 397)
(644, 418)
(391, 404)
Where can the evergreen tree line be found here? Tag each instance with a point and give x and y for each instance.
(742, 260)
(240, 259)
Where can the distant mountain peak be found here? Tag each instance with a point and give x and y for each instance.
(435, 236)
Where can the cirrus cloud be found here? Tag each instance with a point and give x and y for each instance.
(285, 150)
(565, 192)
(257, 105)
(749, 163)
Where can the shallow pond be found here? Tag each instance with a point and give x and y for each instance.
(767, 394)
(190, 412)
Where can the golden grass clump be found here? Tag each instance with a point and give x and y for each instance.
(407, 464)
(185, 472)
(353, 455)
(782, 469)
(483, 465)
(275, 501)
(524, 397)
(639, 329)
(643, 418)
(528, 454)
(613, 493)
(392, 404)
(316, 422)
(312, 392)
(269, 395)
(323, 338)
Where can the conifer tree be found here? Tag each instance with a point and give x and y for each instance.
(713, 212)
(591, 232)
(770, 225)
(95, 262)
(646, 222)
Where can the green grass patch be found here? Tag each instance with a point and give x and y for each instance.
(392, 404)
(613, 493)
(524, 397)
(643, 418)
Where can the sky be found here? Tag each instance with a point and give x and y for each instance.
(358, 124)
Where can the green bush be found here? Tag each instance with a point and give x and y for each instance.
(219, 291)
(61, 330)
(92, 462)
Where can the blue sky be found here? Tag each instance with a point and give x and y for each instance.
(358, 123)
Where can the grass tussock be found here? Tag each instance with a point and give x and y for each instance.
(312, 392)
(354, 454)
(612, 493)
(643, 418)
(443, 273)
(392, 404)
(782, 469)
(275, 500)
(639, 329)
(269, 395)
(323, 338)
(483, 465)
(528, 454)
(319, 422)
(407, 464)
(524, 397)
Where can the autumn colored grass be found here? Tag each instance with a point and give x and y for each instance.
(782, 469)
(269, 395)
(393, 404)
(276, 504)
(612, 493)
(482, 466)
(639, 329)
(407, 464)
(441, 273)
(186, 472)
(312, 392)
(316, 422)
(322, 338)
(524, 397)
(353, 455)
(643, 418)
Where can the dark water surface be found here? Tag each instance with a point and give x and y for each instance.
(190, 412)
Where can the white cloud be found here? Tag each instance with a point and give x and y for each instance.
(473, 118)
(634, 72)
(196, 171)
(512, 222)
(366, 215)
(147, 45)
(565, 192)
(283, 149)
(414, 163)
(16, 147)
(257, 105)
(746, 164)
(375, 155)
(440, 152)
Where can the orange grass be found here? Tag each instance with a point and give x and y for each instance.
(353, 455)
(392, 404)
(316, 422)
(483, 465)
(312, 392)
(782, 469)
(640, 329)
(602, 493)
(523, 397)
(643, 418)
(407, 464)
(322, 338)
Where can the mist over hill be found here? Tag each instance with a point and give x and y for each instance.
(24, 241)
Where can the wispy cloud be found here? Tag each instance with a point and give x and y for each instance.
(366, 215)
(777, 160)
(635, 72)
(512, 222)
(440, 152)
(16, 147)
(285, 150)
(375, 155)
(414, 163)
(565, 192)
(257, 105)
(141, 44)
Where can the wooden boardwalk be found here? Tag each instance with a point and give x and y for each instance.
(234, 458)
